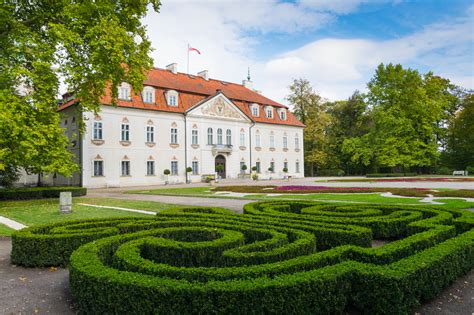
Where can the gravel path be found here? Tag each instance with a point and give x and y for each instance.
(45, 291)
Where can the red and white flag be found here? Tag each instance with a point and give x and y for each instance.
(194, 49)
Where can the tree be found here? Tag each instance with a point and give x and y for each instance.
(88, 45)
(460, 144)
(311, 110)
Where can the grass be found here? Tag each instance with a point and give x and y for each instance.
(5, 230)
(370, 198)
(46, 210)
(191, 191)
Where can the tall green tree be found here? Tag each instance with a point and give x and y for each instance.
(311, 109)
(460, 144)
(407, 110)
(86, 44)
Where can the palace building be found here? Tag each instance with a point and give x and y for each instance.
(182, 121)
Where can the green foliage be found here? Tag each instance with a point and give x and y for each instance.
(189, 169)
(276, 258)
(390, 175)
(443, 170)
(330, 172)
(88, 45)
(166, 172)
(39, 192)
(8, 176)
(244, 167)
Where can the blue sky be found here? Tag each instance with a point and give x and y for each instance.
(336, 44)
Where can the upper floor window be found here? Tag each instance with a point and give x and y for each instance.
(228, 137)
(150, 134)
(148, 94)
(124, 91)
(194, 136)
(172, 98)
(255, 110)
(257, 140)
(97, 135)
(297, 142)
(282, 114)
(209, 136)
(174, 136)
(272, 141)
(125, 135)
(285, 142)
(269, 111)
(219, 136)
(242, 139)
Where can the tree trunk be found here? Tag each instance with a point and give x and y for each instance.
(39, 180)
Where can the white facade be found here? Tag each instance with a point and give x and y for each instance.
(126, 155)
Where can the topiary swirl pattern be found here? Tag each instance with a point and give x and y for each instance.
(278, 258)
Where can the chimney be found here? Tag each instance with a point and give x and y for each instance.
(204, 74)
(173, 67)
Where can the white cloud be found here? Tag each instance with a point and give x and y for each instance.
(336, 67)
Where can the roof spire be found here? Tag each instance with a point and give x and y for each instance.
(248, 74)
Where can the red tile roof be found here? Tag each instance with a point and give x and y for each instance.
(193, 89)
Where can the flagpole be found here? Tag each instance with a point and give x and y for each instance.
(188, 60)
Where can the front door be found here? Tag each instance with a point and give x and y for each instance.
(220, 166)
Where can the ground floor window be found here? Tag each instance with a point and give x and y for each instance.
(98, 168)
(285, 165)
(195, 168)
(174, 167)
(272, 167)
(257, 165)
(125, 168)
(150, 168)
(242, 164)
(297, 167)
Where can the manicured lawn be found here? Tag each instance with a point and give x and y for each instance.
(46, 211)
(5, 230)
(371, 198)
(191, 191)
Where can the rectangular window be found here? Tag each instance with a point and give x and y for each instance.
(195, 167)
(209, 135)
(174, 136)
(124, 93)
(285, 142)
(297, 142)
(148, 97)
(125, 132)
(255, 111)
(242, 139)
(272, 141)
(272, 167)
(172, 100)
(257, 140)
(97, 130)
(150, 134)
(174, 167)
(228, 137)
(283, 115)
(269, 113)
(150, 168)
(194, 136)
(285, 165)
(125, 168)
(257, 164)
(98, 168)
(297, 166)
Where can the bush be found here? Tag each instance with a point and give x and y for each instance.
(39, 192)
(9, 176)
(444, 171)
(470, 170)
(166, 172)
(276, 258)
(391, 175)
(331, 172)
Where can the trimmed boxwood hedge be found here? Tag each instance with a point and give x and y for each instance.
(39, 192)
(391, 175)
(279, 257)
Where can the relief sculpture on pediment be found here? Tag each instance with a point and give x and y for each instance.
(220, 108)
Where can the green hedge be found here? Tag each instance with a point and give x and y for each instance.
(278, 257)
(39, 192)
(391, 175)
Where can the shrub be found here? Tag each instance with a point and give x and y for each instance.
(244, 167)
(444, 171)
(39, 192)
(470, 170)
(9, 176)
(331, 172)
(166, 172)
(285, 170)
(189, 169)
(276, 258)
(390, 174)
(254, 168)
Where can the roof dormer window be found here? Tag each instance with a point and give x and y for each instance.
(282, 113)
(148, 94)
(269, 111)
(124, 91)
(254, 108)
(172, 98)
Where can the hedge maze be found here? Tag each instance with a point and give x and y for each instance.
(279, 257)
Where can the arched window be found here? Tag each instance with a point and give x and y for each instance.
(228, 137)
(219, 136)
(148, 94)
(209, 136)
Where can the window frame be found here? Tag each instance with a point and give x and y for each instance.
(174, 168)
(173, 135)
(219, 136)
(150, 134)
(152, 168)
(194, 137)
(195, 167)
(258, 141)
(101, 173)
(228, 137)
(125, 130)
(125, 171)
(210, 136)
(242, 139)
(97, 130)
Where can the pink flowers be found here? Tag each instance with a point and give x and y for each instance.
(290, 188)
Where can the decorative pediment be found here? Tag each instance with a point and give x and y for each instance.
(219, 107)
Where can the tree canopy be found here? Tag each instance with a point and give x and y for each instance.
(83, 44)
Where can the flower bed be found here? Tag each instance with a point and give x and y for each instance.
(278, 257)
